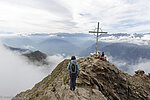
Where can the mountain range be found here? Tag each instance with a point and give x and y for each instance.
(129, 48)
(57, 46)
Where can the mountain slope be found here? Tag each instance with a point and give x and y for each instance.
(18, 42)
(98, 80)
(128, 52)
(91, 49)
(57, 46)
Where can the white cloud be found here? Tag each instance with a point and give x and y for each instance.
(54, 60)
(28, 47)
(127, 39)
(118, 63)
(74, 15)
(146, 37)
(52, 35)
(7, 35)
(34, 16)
(17, 75)
(142, 65)
(140, 28)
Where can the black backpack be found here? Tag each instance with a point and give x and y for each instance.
(73, 67)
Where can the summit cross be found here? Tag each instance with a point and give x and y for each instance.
(97, 36)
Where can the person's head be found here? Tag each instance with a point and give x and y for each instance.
(73, 58)
(102, 53)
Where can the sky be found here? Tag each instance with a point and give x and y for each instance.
(74, 16)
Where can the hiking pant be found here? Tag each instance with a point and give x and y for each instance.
(73, 81)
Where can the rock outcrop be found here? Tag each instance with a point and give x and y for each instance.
(97, 80)
(37, 57)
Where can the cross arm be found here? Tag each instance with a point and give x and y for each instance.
(96, 32)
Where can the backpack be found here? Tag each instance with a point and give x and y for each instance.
(73, 67)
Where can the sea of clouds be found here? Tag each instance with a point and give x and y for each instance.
(17, 75)
(144, 40)
(142, 64)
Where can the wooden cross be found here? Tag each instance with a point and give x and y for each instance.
(97, 35)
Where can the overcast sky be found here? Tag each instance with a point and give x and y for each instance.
(72, 16)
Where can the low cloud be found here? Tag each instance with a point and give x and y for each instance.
(51, 35)
(117, 63)
(142, 65)
(54, 60)
(17, 75)
(28, 47)
(127, 39)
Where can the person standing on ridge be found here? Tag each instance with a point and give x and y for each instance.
(73, 68)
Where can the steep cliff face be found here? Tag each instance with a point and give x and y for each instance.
(98, 80)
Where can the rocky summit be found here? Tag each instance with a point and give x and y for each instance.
(97, 80)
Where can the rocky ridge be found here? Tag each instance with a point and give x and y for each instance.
(97, 80)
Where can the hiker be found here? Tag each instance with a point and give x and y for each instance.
(73, 68)
(102, 56)
(99, 54)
